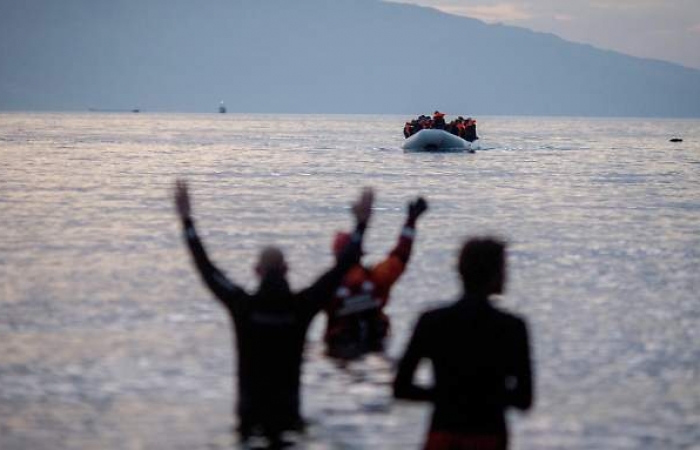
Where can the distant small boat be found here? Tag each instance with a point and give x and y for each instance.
(676, 140)
(222, 107)
(435, 140)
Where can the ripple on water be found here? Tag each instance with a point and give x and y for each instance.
(109, 339)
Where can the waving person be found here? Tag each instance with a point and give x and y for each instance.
(356, 322)
(271, 323)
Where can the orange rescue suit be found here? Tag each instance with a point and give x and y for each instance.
(355, 315)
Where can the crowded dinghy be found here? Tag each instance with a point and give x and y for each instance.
(431, 140)
(434, 134)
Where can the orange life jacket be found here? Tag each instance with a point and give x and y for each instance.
(364, 291)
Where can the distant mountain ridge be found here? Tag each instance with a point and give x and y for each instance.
(314, 56)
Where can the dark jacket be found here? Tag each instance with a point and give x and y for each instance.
(270, 330)
(470, 133)
(439, 122)
(481, 362)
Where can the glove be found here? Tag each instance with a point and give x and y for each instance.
(416, 208)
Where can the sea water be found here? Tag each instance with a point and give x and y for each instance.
(108, 338)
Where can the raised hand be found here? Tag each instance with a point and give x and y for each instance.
(416, 208)
(362, 208)
(182, 199)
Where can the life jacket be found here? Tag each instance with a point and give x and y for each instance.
(438, 121)
(356, 294)
(460, 129)
(355, 312)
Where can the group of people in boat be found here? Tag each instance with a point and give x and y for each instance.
(464, 128)
(480, 353)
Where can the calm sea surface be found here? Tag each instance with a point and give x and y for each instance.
(108, 339)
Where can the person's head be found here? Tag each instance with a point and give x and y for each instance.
(270, 260)
(482, 265)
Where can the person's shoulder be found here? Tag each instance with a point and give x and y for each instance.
(510, 318)
(436, 314)
(242, 298)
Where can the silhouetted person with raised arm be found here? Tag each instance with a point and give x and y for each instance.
(480, 357)
(356, 322)
(271, 324)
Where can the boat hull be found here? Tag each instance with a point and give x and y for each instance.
(431, 140)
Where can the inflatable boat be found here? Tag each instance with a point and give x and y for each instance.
(434, 140)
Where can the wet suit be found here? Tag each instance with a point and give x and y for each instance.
(481, 364)
(270, 329)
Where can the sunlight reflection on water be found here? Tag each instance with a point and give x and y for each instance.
(109, 340)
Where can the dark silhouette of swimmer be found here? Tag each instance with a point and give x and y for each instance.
(271, 324)
(480, 357)
(356, 321)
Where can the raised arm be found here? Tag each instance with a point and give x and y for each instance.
(388, 271)
(212, 276)
(322, 290)
(404, 386)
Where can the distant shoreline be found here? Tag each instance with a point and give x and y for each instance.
(337, 114)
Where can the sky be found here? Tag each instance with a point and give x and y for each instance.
(660, 29)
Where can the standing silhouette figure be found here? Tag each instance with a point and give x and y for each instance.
(270, 324)
(480, 357)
